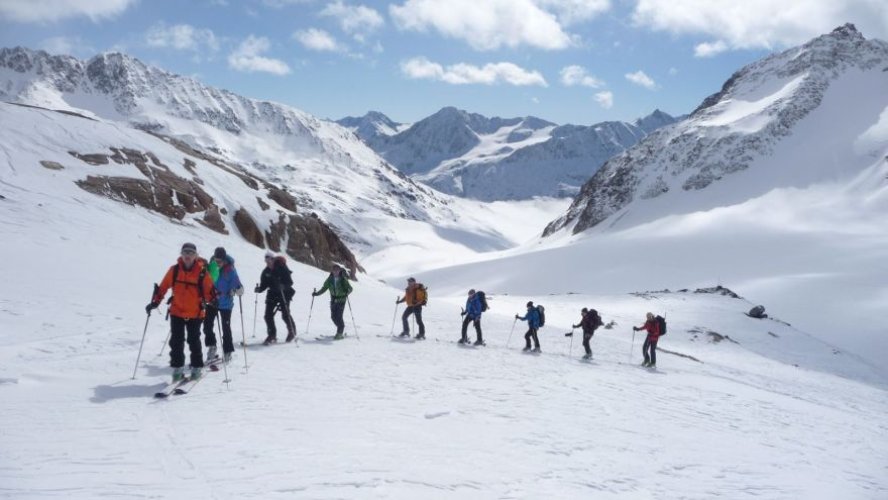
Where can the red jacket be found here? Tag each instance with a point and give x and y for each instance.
(187, 301)
(653, 329)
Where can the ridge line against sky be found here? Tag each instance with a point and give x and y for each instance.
(567, 61)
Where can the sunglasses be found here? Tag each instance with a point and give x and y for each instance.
(188, 252)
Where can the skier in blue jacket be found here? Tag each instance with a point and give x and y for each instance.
(472, 314)
(228, 285)
(533, 322)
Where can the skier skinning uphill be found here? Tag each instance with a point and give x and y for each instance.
(228, 285)
(415, 296)
(533, 322)
(475, 306)
(192, 289)
(590, 322)
(276, 279)
(650, 343)
(212, 310)
(340, 288)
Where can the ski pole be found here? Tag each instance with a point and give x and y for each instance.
(169, 332)
(222, 336)
(255, 312)
(511, 332)
(570, 352)
(355, 325)
(243, 330)
(140, 345)
(310, 309)
(395, 316)
(632, 347)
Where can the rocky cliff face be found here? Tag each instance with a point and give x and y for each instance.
(754, 114)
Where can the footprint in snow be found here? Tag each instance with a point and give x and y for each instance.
(437, 414)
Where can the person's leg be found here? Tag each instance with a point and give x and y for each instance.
(527, 337)
(654, 352)
(193, 327)
(586, 338)
(536, 339)
(478, 329)
(269, 319)
(287, 314)
(227, 341)
(209, 322)
(417, 313)
(177, 342)
(644, 350)
(405, 324)
(465, 326)
(338, 311)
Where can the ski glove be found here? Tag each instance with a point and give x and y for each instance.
(151, 306)
(258, 289)
(239, 291)
(569, 334)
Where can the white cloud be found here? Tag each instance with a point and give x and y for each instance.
(575, 11)
(64, 45)
(247, 57)
(577, 75)
(464, 74)
(640, 78)
(756, 24)
(277, 4)
(605, 99)
(485, 25)
(358, 21)
(319, 40)
(38, 11)
(181, 37)
(710, 49)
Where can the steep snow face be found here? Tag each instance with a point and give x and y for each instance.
(472, 156)
(326, 168)
(372, 125)
(792, 119)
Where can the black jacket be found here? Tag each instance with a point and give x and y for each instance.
(275, 280)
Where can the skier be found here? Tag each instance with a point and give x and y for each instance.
(212, 310)
(228, 285)
(591, 320)
(650, 343)
(415, 296)
(472, 314)
(192, 290)
(340, 288)
(276, 279)
(533, 322)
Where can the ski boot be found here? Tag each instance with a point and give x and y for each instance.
(587, 356)
(536, 349)
(211, 353)
(420, 336)
(646, 364)
(526, 349)
(338, 336)
(196, 373)
(462, 341)
(404, 335)
(178, 374)
(227, 358)
(271, 339)
(479, 342)
(290, 337)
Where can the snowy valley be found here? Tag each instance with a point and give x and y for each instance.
(776, 187)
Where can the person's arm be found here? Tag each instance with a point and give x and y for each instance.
(209, 290)
(160, 291)
(263, 283)
(348, 286)
(324, 288)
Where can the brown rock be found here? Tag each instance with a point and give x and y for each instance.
(248, 227)
(52, 165)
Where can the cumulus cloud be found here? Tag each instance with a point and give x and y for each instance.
(710, 49)
(277, 4)
(464, 74)
(63, 45)
(38, 11)
(640, 78)
(577, 75)
(356, 20)
(485, 25)
(319, 40)
(575, 11)
(248, 57)
(181, 37)
(756, 24)
(605, 99)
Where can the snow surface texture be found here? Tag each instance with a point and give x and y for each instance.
(470, 155)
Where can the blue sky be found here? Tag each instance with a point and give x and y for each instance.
(568, 61)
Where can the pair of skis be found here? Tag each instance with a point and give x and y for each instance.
(185, 385)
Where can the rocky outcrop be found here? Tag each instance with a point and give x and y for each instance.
(248, 227)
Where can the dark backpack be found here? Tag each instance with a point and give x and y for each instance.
(542, 311)
(661, 324)
(483, 298)
(596, 318)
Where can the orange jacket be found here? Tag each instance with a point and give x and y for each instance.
(415, 295)
(187, 302)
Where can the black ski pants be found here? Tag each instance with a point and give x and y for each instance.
(465, 327)
(337, 309)
(209, 323)
(532, 334)
(178, 327)
(416, 311)
(273, 307)
(227, 342)
(650, 344)
(586, 338)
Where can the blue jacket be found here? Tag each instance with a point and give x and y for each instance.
(226, 284)
(473, 307)
(532, 317)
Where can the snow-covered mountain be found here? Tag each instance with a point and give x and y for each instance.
(470, 155)
(810, 114)
(323, 166)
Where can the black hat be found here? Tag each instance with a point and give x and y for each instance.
(189, 247)
(585, 310)
(219, 253)
(530, 304)
(411, 279)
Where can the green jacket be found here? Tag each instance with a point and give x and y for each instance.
(213, 269)
(339, 289)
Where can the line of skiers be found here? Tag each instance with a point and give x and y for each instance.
(203, 295)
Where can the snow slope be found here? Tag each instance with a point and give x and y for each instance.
(473, 156)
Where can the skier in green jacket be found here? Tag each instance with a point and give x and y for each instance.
(339, 287)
